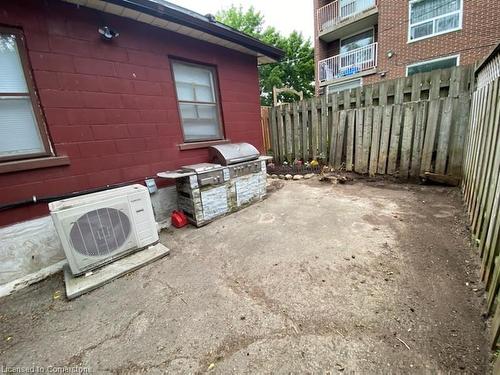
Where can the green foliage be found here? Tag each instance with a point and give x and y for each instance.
(296, 70)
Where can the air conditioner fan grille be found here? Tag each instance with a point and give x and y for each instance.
(100, 232)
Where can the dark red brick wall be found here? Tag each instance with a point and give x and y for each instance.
(111, 107)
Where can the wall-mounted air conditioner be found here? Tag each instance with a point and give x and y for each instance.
(100, 227)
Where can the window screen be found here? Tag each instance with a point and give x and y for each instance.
(198, 106)
(19, 129)
(432, 65)
(429, 17)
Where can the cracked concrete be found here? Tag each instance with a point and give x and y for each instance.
(315, 278)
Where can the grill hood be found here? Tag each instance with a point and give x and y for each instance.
(233, 153)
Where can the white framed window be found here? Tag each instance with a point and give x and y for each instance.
(347, 85)
(428, 18)
(427, 66)
(198, 99)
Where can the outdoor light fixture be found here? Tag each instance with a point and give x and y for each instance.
(390, 54)
(108, 33)
(210, 17)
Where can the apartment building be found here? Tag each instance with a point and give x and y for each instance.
(363, 41)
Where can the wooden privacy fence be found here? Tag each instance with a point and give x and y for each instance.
(264, 124)
(481, 190)
(407, 126)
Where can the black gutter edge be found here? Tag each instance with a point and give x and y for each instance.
(173, 14)
(488, 58)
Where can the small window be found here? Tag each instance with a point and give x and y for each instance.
(198, 102)
(434, 17)
(348, 85)
(22, 131)
(427, 66)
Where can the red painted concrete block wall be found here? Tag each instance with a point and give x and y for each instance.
(111, 106)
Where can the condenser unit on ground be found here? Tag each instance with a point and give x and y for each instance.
(99, 228)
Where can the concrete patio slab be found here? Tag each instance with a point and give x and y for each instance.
(368, 278)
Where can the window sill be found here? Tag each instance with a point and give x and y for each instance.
(28, 164)
(204, 144)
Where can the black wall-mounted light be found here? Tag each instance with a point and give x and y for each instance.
(107, 33)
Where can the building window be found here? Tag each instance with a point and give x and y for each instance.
(22, 130)
(197, 95)
(427, 66)
(348, 85)
(434, 17)
(360, 40)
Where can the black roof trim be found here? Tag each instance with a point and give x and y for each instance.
(185, 17)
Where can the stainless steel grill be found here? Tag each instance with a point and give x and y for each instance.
(236, 177)
(233, 153)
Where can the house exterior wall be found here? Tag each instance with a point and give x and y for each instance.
(480, 32)
(111, 106)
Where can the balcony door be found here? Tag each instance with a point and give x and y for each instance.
(356, 51)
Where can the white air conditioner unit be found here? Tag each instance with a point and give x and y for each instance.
(100, 227)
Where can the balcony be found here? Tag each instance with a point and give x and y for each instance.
(343, 17)
(355, 63)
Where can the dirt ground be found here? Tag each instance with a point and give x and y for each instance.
(368, 277)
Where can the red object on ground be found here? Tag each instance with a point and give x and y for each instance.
(179, 219)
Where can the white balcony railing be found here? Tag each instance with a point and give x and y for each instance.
(339, 10)
(348, 64)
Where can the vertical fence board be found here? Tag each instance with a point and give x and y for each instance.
(430, 136)
(398, 91)
(492, 239)
(435, 85)
(444, 137)
(333, 137)
(382, 95)
(397, 118)
(406, 140)
(384, 140)
(304, 133)
(416, 87)
(377, 123)
(323, 138)
(314, 128)
(368, 96)
(472, 141)
(347, 99)
(418, 139)
(349, 163)
(461, 109)
(274, 132)
(296, 131)
(288, 133)
(358, 149)
(281, 134)
(367, 140)
(340, 139)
